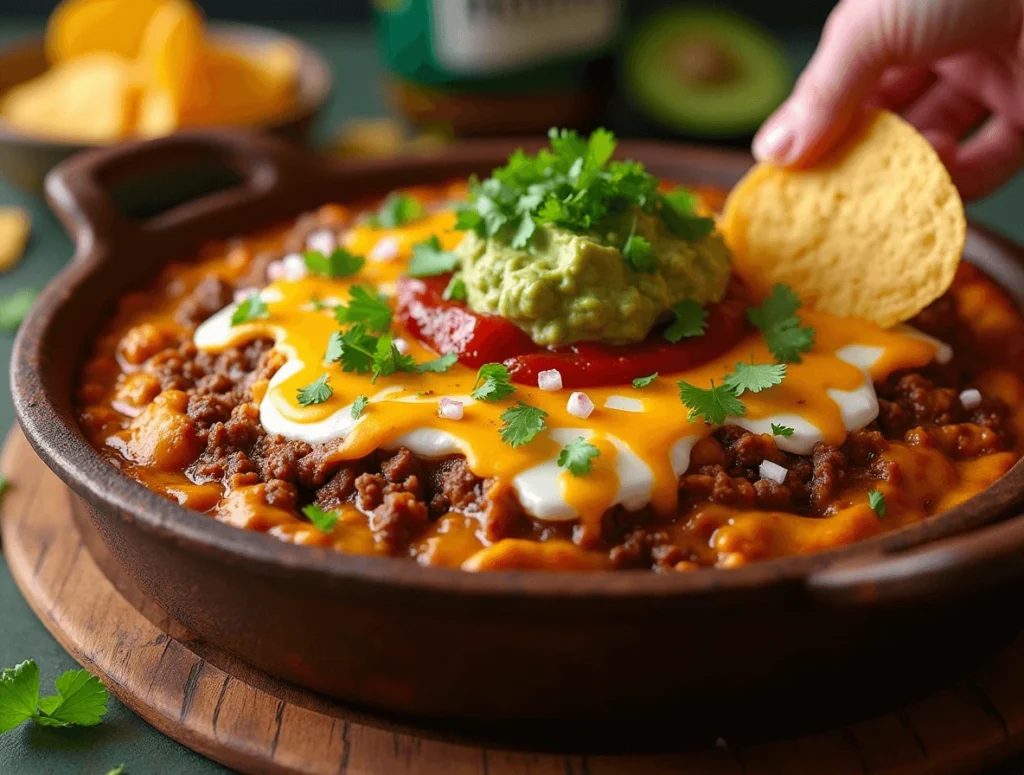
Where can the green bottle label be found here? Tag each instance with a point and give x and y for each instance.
(496, 44)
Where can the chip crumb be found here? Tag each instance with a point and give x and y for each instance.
(875, 231)
(15, 225)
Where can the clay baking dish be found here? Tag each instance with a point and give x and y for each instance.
(25, 159)
(802, 641)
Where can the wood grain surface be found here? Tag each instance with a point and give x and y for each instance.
(220, 707)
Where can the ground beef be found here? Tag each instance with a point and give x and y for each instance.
(211, 295)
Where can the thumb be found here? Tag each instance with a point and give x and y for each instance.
(843, 71)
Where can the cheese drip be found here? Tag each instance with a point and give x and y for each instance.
(644, 435)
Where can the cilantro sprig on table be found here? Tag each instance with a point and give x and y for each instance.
(784, 333)
(14, 308)
(81, 699)
(575, 185)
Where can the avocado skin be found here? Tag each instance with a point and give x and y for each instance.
(656, 102)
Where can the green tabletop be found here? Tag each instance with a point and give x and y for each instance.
(123, 738)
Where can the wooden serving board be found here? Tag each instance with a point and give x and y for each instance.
(240, 717)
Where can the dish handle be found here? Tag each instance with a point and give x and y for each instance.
(81, 189)
(953, 567)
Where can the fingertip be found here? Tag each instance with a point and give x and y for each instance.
(774, 142)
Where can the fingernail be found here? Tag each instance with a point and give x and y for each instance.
(774, 143)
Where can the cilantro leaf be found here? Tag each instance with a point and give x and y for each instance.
(691, 320)
(755, 377)
(19, 694)
(521, 424)
(429, 260)
(576, 456)
(364, 306)
(783, 331)
(252, 308)
(316, 392)
(876, 500)
(359, 406)
(438, 365)
(713, 405)
(456, 290)
(639, 253)
(340, 263)
(322, 520)
(81, 700)
(387, 359)
(14, 308)
(397, 210)
(782, 430)
(493, 383)
(642, 382)
(678, 211)
(118, 770)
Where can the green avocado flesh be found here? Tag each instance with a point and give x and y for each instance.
(577, 287)
(705, 72)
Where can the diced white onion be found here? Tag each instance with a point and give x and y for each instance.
(244, 293)
(450, 409)
(275, 271)
(550, 380)
(386, 249)
(401, 345)
(322, 241)
(970, 399)
(773, 472)
(579, 405)
(294, 267)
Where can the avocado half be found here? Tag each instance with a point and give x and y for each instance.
(705, 72)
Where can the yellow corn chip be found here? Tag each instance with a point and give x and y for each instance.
(91, 98)
(15, 225)
(78, 27)
(171, 55)
(876, 230)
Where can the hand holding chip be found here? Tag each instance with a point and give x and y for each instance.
(949, 66)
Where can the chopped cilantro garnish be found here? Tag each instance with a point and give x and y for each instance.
(387, 359)
(876, 500)
(340, 263)
(252, 308)
(456, 290)
(576, 456)
(322, 520)
(783, 331)
(428, 259)
(359, 406)
(755, 377)
(678, 211)
(365, 307)
(397, 210)
(639, 253)
(493, 383)
(642, 382)
(353, 348)
(782, 430)
(521, 423)
(691, 320)
(15, 307)
(574, 185)
(81, 699)
(713, 404)
(316, 392)
(438, 365)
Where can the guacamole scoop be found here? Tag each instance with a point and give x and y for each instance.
(578, 287)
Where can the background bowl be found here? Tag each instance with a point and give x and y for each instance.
(26, 159)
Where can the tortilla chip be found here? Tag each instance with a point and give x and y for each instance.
(79, 27)
(92, 98)
(172, 50)
(15, 225)
(875, 231)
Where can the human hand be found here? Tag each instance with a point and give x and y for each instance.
(949, 66)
